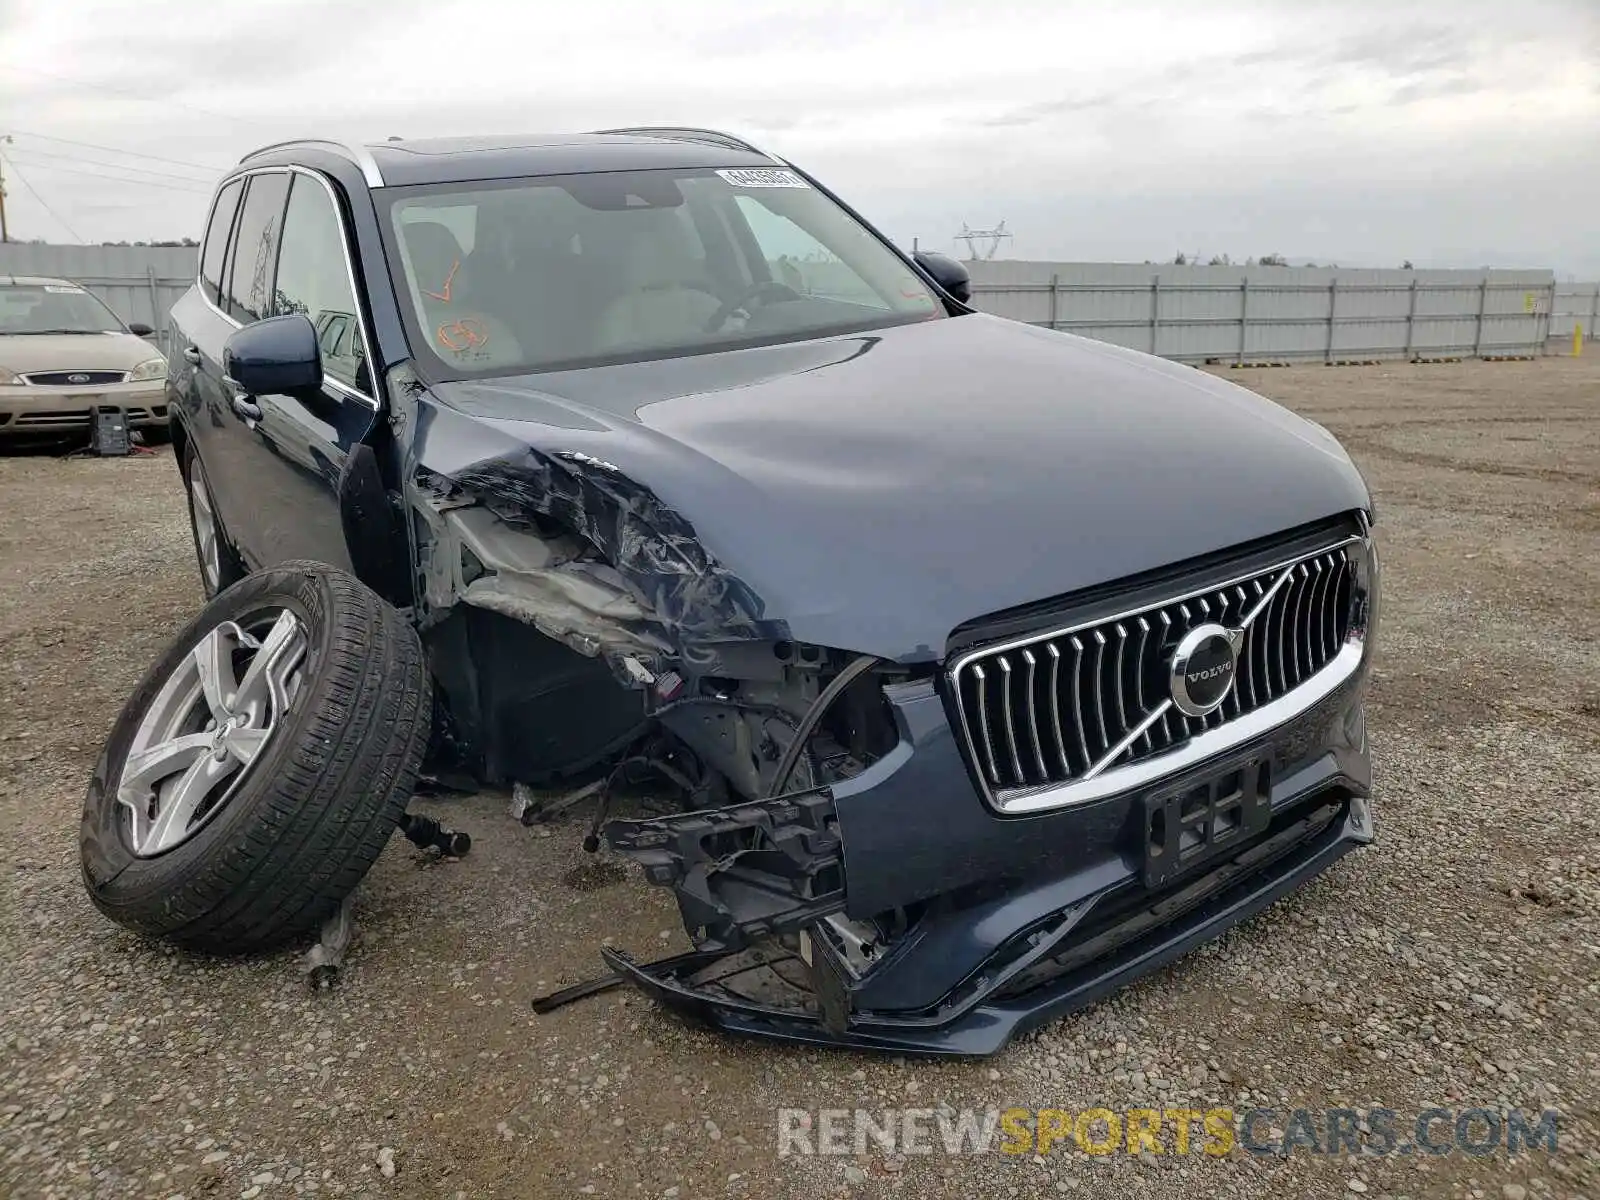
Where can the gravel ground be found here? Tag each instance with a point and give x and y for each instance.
(1454, 963)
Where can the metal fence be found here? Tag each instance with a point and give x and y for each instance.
(1576, 304)
(138, 283)
(1277, 314)
(1191, 313)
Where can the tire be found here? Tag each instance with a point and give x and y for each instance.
(220, 565)
(339, 716)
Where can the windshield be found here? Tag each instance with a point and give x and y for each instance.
(53, 308)
(620, 266)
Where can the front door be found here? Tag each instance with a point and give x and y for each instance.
(230, 447)
(309, 437)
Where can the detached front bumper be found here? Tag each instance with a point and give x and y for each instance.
(38, 409)
(999, 1007)
(1002, 923)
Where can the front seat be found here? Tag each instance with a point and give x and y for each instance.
(459, 327)
(664, 299)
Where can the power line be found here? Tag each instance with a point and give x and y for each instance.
(100, 162)
(118, 91)
(175, 162)
(43, 203)
(198, 190)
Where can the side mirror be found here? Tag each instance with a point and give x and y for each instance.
(139, 329)
(947, 273)
(277, 356)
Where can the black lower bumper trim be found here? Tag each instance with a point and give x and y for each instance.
(984, 1028)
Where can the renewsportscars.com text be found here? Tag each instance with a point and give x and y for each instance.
(1216, 1131)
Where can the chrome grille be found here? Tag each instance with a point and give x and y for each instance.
(76, 378)
(1061, 708)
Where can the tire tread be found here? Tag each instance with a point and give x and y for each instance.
(318, 824)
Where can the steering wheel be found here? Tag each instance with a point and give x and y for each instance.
(768, 291)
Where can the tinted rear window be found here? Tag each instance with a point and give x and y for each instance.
(211, 258)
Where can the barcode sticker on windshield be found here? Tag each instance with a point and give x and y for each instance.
(763, 177)
(56, 287)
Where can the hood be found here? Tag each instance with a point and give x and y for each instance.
(872, 492)
(27, 352)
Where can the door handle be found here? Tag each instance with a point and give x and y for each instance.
(246, 407)
(192, 354)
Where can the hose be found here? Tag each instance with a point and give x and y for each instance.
(808, 724)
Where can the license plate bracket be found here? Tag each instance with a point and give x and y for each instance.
(1204, 817)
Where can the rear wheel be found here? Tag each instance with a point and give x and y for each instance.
(219, 565)
(260, 766)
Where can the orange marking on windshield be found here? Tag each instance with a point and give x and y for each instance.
(448, 279)
(465, 334)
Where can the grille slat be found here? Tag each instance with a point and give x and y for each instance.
(1168, 718)
(1122, 675)
(1055, 707)
(1005, 707)
(1033, 713)
(1139, 673)
(1279, 614)
(1260, 656)
(1319, 591)
(1302, 625)
(1099, 679)
(1045, 711)
(1335, 591)
(1077, 703)
(983, 721)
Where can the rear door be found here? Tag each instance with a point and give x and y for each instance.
(198, 330)
(295, 486)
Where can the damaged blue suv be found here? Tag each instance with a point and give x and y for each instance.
(951, 671)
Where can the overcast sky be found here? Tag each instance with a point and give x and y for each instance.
(1451, 132)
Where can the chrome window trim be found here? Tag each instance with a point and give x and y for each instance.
(349, 270)
(1111, 780)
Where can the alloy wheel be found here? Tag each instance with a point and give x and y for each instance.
(209, 721)
(204, 516)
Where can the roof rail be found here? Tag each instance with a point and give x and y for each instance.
(708, 137)
(360, 155)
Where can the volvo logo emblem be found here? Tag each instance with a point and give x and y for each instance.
(1203, 668)
(78, 378)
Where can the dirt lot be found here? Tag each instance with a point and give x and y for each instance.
(1455, 963)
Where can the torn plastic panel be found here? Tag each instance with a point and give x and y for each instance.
(743, 873)
(652, 547)
(552, 583)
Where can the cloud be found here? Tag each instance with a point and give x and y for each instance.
(1435, 89)
(1404, 49)
(1032, 114)
(1108, 130)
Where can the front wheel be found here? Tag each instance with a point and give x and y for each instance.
(256, 772)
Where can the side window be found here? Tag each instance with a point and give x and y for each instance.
(216, 243)
(255, 248)
(313, 279)
(796, 258)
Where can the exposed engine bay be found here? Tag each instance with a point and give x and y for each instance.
(732, 695)
(747, 731)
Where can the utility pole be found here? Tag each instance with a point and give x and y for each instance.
(5, 138)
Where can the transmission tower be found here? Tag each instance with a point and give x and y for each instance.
(976, 237)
